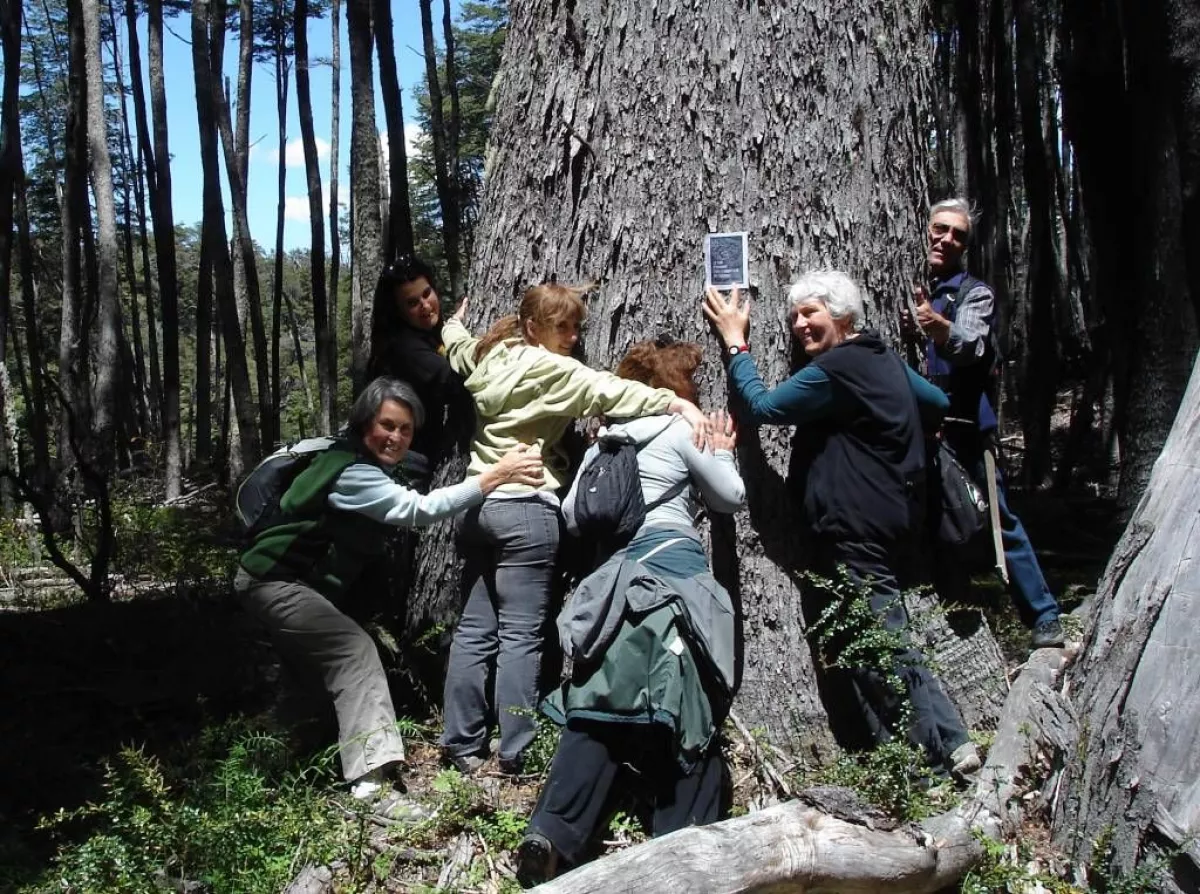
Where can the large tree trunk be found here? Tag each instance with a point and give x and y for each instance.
(1128, 78)
(164, 248)
(741, 126)
(326, 372)
(1131, 794)
(365, 232)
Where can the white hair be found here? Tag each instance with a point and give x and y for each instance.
(837, 291)
(958, 205)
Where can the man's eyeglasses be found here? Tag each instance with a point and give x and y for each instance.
(938, 230)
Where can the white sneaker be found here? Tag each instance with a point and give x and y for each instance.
(366, 789)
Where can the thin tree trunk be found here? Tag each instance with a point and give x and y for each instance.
(202, 413)
(205, 53)
(237, 154)
(159, 159)
(335, 236)
(399, 238)
(130, 176)
(294, 326)
(326, 372)
(10, 172)
(453, 132)
(282, 72)
(447, 198)
(366, 244)
(71, 354)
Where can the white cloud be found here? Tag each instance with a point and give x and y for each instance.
(295, 208)
(294, 157)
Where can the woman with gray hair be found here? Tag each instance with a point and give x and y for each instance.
(858, 467)
(333, 520)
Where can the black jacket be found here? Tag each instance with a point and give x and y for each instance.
(861, 470)
(415, 356)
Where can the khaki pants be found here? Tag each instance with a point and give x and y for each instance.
(310, 633)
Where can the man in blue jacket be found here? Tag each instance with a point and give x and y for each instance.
(958, 317)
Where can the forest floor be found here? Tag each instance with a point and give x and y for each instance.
(146, 745)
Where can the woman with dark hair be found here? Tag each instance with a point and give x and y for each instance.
(406, 343)
(649, 637)
(335, 519)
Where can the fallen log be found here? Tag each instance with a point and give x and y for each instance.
(801, 845)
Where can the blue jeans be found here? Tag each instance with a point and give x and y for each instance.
(510, 547)
(1030, 594)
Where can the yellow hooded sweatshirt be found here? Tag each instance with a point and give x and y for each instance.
(526, 394)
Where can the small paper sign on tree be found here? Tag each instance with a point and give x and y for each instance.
(725, 265)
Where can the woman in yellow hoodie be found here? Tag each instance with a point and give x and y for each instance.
(527, 389)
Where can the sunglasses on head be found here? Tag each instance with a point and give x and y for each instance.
(664, 340)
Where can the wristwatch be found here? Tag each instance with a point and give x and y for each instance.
(734, 350)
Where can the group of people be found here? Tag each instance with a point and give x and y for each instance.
(649, 634)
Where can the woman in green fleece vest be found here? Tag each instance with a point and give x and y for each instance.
(527, 388)
(334, 519)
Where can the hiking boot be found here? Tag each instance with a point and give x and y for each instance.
(1048, 633)
(964, 760)
(466, 763)
(511, 766)
(537, 861)
(398, 808)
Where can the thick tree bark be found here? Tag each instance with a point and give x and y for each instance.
(164, 247)
(214, 238)
(446, 189)
(399, 230)
(653, 125)
(1122, 96)
(365, 234)
(326, 373)
(1043, 285)
(1132, 781)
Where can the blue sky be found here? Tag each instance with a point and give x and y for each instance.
(184, 133)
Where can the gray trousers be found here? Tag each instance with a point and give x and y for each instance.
(316, 639)
(509, 547)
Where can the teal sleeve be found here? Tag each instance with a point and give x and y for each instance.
(932, 402)
(806, 396)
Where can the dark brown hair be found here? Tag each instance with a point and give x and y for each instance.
(664, 364)
(549, 303)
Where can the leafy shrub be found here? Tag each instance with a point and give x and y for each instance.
(236, 816)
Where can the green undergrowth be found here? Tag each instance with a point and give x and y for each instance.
(232, 810)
